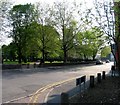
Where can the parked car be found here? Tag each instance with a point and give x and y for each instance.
(98, 62)
(107, 61)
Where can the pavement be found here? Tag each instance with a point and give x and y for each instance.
(107, 92)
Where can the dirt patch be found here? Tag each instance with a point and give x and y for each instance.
(108, 91)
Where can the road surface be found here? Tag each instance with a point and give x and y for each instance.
(22, 83)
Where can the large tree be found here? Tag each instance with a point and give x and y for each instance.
(22, 17)
(48, 41)
(63, 21)
(117, 33)
(48, 37)
(9, 52)
(89, 42)
(107, 17)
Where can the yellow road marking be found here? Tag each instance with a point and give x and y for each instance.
(31, 96)
(36, 93)
(49, 86)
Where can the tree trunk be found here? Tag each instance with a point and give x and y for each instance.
(94, 57)
(19, 55)
(65, 56)
(118, 57)
(85, 57)
(43, 56)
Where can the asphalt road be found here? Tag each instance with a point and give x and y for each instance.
(19, 83)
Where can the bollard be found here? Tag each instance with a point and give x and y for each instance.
(113, 70)
(91, 81)
(64, 99)
(77, 81)
(103, 75)
(99, 77)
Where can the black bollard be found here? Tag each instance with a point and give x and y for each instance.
(103, 75)
(113, 70)
(91, 81)
(64, 99)
(99, 77)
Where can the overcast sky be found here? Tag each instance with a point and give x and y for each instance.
(47, 1)
(16, 2)
(89, 2)
(33, 1)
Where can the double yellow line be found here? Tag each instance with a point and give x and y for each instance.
(36, 95)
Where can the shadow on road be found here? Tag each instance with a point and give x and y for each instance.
(56, 98)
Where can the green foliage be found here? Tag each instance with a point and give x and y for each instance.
(45, 33)
(9, 52)
(89, 42)
(117, 19)
(105, 51)
(48, 41)
(65, 24)
(22, 16)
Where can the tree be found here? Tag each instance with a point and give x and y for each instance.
(108, 20)
(105, 51)
(63, 21)
(9, 52)
(48, 41)
(89, 42)
(47, 37)
(85, 37)
(117, 34)
(4, 53)
(21, 18)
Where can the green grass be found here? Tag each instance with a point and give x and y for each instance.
(54, 62)
(16, 62)
(10, 62)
